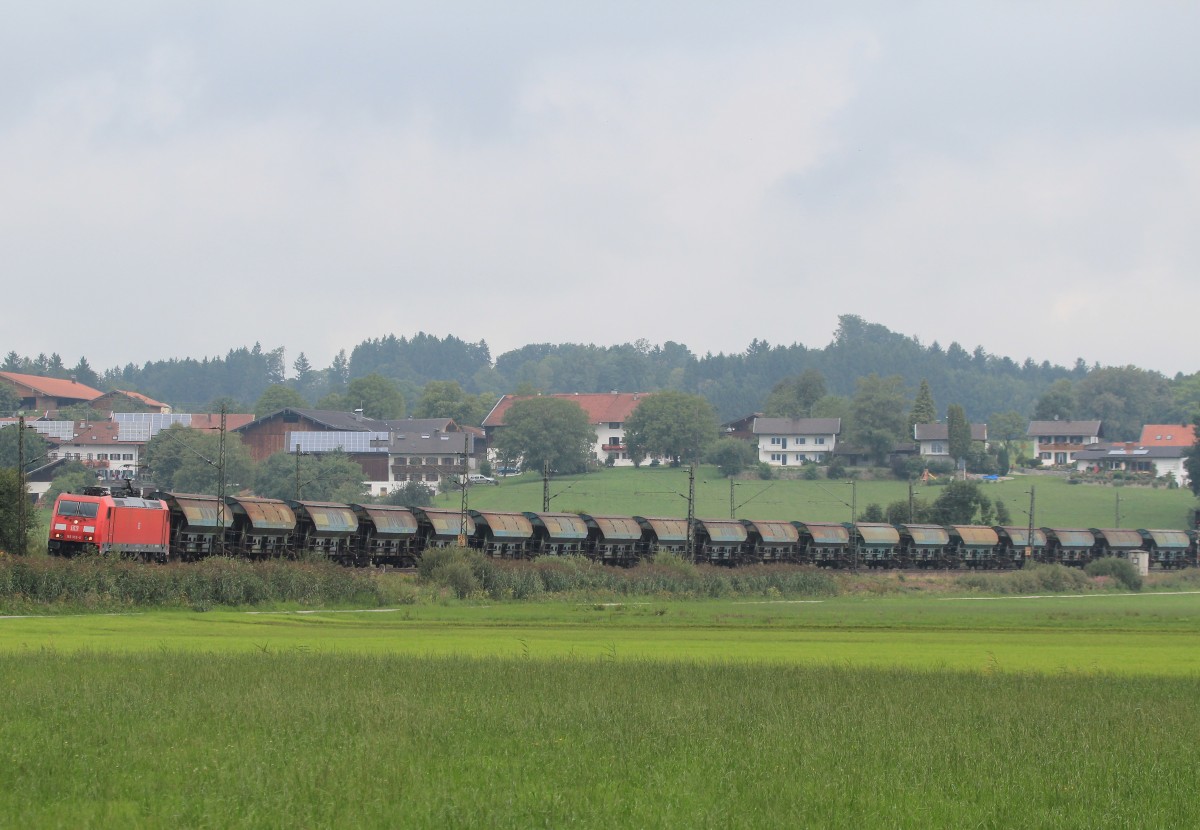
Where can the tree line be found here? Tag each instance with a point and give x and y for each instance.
(758, 379)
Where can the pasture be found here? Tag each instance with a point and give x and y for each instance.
(851, 711)
(662, 491)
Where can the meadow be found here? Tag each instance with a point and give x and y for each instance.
(662, 491)
(847, 712)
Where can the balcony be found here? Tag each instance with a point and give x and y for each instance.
(613, 447)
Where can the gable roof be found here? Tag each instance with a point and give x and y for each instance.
(92, 434)
(212, 420)
(1168, 435)
(941, 432)
(1130, 450)
(53, 387)
(600, 407)
(135, 396)
(337, 421)
(797, 426)
(1064, 428)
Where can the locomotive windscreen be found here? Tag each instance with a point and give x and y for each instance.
(83, 509)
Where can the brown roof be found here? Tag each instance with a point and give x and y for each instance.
(232, 420)
(53, 387)
(94, 433)
(1168, 435)
(1086, 429)
(600, 407)
(941, 432)
(137, 396)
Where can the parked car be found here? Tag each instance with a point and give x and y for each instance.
(476, 478)
(508, 471)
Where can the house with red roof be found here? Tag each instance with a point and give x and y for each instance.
(607, 412)
(39, 393)
(122, 400)
(1168, 435)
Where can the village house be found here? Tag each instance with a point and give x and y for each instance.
(607, 412)
(1055, 443)
(786, 441)
(933, 440)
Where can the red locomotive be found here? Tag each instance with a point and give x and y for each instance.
(103, 522)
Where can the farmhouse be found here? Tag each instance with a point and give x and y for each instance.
(607, 412)
(933, 440)
(784, 441)
(1057, 442)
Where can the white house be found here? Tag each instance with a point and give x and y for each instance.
(787, 441)
(607, 412)
(933, 440)
(1058, 442)
(1137, 458)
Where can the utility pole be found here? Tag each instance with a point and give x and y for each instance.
(546, 486)
(731, 507)
(221, 477)
(464, 483)
(296, 488)
(910, 501)
(691, 517)
(1029, 539)
(23, 540)
(1118, 495)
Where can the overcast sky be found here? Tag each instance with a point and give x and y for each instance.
(180, 179)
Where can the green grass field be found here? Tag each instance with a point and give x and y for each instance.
(850, 712)
(662, 491)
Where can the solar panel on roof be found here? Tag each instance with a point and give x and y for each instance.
(59, 430)
(142, 426)
(333, 441)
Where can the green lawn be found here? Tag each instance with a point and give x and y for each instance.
(662, 491)
(850, 712)
(1151, 634)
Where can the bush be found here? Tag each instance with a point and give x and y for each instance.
(98, 582)
(1122, 570)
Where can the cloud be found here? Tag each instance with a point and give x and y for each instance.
(207, 179)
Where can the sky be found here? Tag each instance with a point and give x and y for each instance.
(179, 179)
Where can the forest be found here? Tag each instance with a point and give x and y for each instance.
(759, 379)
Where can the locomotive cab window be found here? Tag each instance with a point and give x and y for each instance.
(83, 509)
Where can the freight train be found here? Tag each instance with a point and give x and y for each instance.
(170, 527)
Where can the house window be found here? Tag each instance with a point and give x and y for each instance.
(801, 440)
(614, 424)
(775, 456)
(401, 462)
(447, 462)
(127, 456)
(1045, 456)
(431, 476)
(101, 456)
(614, 440)
(821, 440)
(775, 439)
(937, 448)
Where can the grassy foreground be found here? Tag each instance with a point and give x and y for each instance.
(849, 711)
(302, 740)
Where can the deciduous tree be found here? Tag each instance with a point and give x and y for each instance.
(277, 397)
(878, 420)
(794, 397)
(446, 399)
(673, 425)
(327, 476)
(546, 431)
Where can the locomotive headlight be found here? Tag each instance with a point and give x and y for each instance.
(60, 525)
